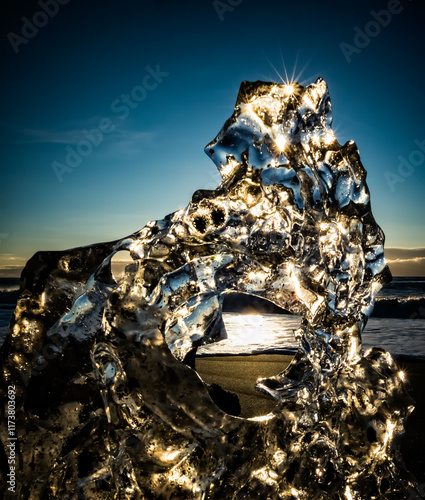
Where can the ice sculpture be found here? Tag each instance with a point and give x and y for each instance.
(108, 403)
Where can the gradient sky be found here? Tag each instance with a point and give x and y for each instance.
(65, 79)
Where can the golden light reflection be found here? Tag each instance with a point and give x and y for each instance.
(348, 494)
(228, 168)
(281, 142)
(329, 138)
(307, 100)
(289, 89)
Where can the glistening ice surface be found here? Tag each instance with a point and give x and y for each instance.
(107, 404)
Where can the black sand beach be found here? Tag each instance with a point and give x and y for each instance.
(239, 373)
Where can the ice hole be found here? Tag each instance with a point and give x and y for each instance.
(119, 262)
(231, 369)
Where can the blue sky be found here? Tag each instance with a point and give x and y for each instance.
(75, 71)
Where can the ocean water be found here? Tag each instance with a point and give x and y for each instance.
(404, 288)
(8, 294)
(398, 323)
(274, 333)
(8, 285)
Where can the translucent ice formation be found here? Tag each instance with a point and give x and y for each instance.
(108, 403)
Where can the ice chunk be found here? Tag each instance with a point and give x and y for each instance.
(106, 404)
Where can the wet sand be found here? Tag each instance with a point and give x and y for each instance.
(239, 373)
